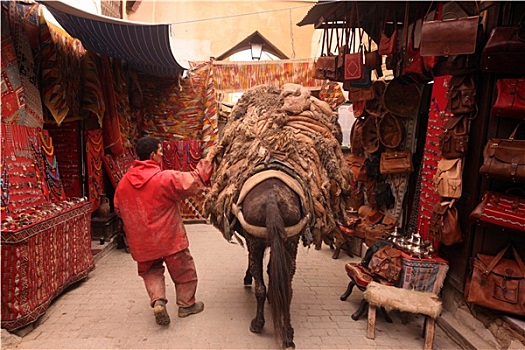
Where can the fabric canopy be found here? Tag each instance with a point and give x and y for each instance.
(146, 47)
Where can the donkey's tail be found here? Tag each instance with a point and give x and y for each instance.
(279, 282)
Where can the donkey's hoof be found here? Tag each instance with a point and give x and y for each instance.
(256, 326)
(289, 346)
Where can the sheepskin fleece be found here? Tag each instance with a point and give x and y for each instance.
(393, 298)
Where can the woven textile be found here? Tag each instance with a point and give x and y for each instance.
(437, 117)
(240, 76)
(423, 275)
(23, 22)
(40, 261)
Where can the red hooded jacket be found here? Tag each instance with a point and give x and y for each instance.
(148, 201)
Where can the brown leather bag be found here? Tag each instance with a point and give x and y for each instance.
(396, 162)
(446, 37)
(498, 283)
(357, 166)
(461, 94)
(505, 158)
(510, 100)
(448, 177)
(356, 137)
(444, 224)
(369, 135)
(453, 142)
(504, 51)
(390, 131)
(387, 263)
(356, 94)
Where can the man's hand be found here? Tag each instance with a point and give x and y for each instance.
(212, 153)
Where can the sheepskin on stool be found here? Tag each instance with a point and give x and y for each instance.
(393, 298)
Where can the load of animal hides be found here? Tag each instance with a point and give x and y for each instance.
(283, 126)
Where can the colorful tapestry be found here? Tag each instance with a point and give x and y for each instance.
(61, 64)
(23, 22)
(241, 76)
(94, 156)
(12, 90)
(93, 95)
(38, 262)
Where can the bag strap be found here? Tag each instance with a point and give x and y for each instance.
(519, 261)
(511, 137)
(496, 260)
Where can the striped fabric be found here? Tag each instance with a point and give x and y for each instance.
(144, 46)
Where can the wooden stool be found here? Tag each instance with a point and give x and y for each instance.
(393, 298)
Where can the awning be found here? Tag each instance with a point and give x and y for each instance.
(146, 47)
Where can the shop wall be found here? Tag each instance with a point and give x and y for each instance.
(197, 39)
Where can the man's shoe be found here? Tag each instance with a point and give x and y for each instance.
(161, 314)
(194, 309)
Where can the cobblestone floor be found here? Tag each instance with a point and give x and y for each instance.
(110, 309)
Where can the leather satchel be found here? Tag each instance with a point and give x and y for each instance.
(455, 65)
(448, 178)
(502, 210)
(325, 67)
(504, 51)
(446, 37)
(390, 131)
(396, 162)
(354, 66)
(388, 39)
(444, 224)
(461, 94)
(498, 283)
(505, 158)
(510, 100)
(357, 167)
(356, 136)
(356, 94)
(453, 142)
(387, 263)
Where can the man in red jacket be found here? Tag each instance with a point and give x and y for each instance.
(148, 201)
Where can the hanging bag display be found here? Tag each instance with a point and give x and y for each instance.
(510, 100)
(504, 51)
(503, 210)
(444, 224)
(461, 95)
(453, 142)
(505, 158)
(448, 178)
(498, 283)
(357, 167)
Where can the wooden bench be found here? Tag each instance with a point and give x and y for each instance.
(393, 298)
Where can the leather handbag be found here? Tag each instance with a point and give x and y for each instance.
(453, 142)
(387, 263)
(357, 167)
(354, 65)
(504, 51)
(356, 94)
(461, 94)
(388, 39)
(503, 210)
(510, 100)
(375, 105)
(356, 137)
(390, 131)
(455, 65)
(412, 60)
(396, 162)
(448, 178)
(498, 283)
(400, 99)
(505, 158)
(444, 224)
(444, 37)
(369, 135)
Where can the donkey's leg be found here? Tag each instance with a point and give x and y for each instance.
(256, 253)
(291, 247)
